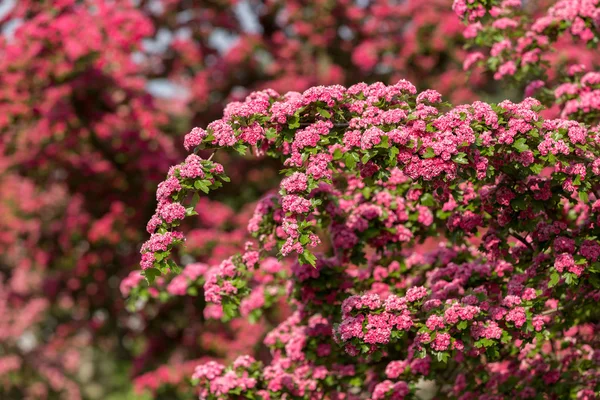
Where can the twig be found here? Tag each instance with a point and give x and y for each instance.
(338, 125)
(547, 312)
(522, 240)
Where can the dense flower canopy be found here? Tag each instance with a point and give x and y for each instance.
(370, 172)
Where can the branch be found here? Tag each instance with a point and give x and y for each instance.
(522, 240)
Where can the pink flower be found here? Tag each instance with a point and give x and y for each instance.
(441, 342)
(178, 286)
(435, 321)
(208, 371)
(295, 204)
(416, 293)
(517, 315)
(194, 138)
(297, 182)
(170, 212)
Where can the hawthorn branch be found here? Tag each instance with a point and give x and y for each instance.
(522, 240)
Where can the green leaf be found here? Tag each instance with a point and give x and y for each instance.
(534, 133)
(570, 278)
(429, 153)
(427, 200)
(174, 267)
(201, 185)
(595, 281)
(324, 113)
(554, 278)
(229, 310)
(271, 133)
(506, 338)
(394, 151)
(162, 267)
(241, 148)
(304, 239)
(442, 356)
(294, 122)
(307, 258)
(460, 158)
(160, 255)
(384, 144)
(349, 160)
(583, 196)
(536, 168)
(519, 203)
(150, 274)
(255, 315)
(365, 158)
(337, 154)
(195, 200)
(521, 145)
(356, 381)
(189, 211)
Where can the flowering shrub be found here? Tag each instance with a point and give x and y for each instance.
(503, 306)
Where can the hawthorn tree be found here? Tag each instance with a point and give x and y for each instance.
(503, 307)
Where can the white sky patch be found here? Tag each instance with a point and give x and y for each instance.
(163, 88)
(248, 17)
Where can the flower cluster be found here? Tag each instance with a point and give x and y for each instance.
(579, 98)
(546, 49)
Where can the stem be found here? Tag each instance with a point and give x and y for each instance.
(547, 312)
(522, 240)
(338, 125)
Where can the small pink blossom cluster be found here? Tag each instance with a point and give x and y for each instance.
(191, 175)
(532, 47)
(220, 382)
(369, 321)
(579, 18)
(580, 99)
